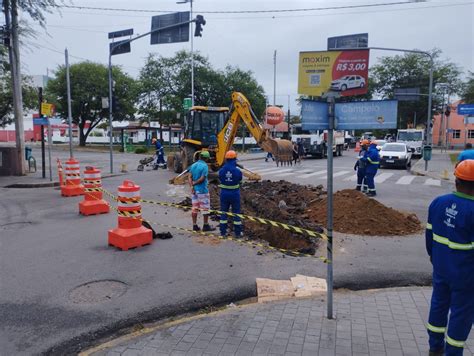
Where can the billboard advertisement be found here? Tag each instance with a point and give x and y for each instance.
(314, 115)
(375, 114)
(345, 72)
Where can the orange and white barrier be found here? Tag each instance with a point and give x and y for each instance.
(72, 186)
(130, 232)
(93, 203)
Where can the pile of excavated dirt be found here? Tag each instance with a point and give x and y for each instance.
(305, 207)
(355, 213)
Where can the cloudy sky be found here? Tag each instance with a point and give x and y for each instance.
(248, 40)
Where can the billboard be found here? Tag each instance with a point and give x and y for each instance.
(314, 115)
(374, 114)
(341, 71)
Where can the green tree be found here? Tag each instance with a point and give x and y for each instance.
(412, 71)
(165, 82)
(89, 84)
(30, 94)
(468, 89)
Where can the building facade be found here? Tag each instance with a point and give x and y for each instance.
(452, 131)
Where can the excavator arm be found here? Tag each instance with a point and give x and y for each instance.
(241, 110)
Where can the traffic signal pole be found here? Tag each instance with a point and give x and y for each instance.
(199, 20)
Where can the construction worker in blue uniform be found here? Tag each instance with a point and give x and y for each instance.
(450, 245)
(230, 178)
(360, 167)
(372, 159)
(160, 154)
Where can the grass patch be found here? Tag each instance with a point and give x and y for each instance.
(454, 157)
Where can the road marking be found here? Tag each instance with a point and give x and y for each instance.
(285, 174)
(256, 169)
(433, 182)
(352, 178)
(341, 173)
(278, 170)
(405, 180)
(382, 177)
(305, 176)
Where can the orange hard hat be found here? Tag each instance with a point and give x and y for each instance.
(465, 170)
(365, 142)
(230, 154)
(153, 140)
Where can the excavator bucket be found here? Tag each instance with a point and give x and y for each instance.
(281, 149)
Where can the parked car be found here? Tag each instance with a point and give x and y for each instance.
(396, 155)
(348, 82)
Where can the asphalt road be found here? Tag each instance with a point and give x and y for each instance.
(47, 250)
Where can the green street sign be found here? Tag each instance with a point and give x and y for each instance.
(187, 104)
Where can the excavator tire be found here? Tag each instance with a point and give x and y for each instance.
(187, 156)
(177, 163)
(170, 162)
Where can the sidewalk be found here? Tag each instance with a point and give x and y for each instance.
(438, 166)
(376, 322)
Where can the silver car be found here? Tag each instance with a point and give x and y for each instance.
(395, 154)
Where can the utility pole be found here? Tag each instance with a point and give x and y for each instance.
(11, 21)
(274, 76)
(69, 110)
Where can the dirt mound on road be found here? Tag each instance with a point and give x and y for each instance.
(355, 213)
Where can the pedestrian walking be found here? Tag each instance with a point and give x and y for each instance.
(360, 166)
(159, 154)
(450, 245)
(300, 149)
(468, 153)
(269, 156)
(230, 178)
(295, 153)
(200, 191)
(372, 160)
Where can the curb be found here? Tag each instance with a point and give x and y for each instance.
(420, 172)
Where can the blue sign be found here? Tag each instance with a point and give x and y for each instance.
(363, 115)
(465, 109)
(314, 115)
(38, 121)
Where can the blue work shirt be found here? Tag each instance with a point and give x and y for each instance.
(450, 238)
(158, 146)
(466, 154)
(229, 175)
(372, 158)
(200, 169)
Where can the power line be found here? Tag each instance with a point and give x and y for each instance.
(247, 11)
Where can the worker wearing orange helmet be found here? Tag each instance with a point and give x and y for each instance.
(360, 167)
(230, 178)
(450, 245)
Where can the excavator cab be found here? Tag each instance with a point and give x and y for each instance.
(203, 124)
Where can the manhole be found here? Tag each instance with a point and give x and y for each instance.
(97, 292)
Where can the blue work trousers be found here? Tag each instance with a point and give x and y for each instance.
(160, 157)
(361, 182)
(461, 303)
(230, 199)
(369, 180)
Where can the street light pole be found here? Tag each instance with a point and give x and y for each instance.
(111, 113)
(192, 48)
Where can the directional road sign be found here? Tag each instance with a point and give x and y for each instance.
(172, 35)
(359, 40)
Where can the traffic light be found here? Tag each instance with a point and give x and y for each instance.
(448, 110)
(199, 23)
(4, 36)
(116, 107)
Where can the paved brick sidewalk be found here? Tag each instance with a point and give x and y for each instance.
(380, 322)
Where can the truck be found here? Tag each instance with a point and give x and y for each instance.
(315, 143)
(413, 138)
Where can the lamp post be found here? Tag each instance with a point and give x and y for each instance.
(192, 47)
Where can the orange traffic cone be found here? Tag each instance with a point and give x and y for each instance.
(130, 232)
(357, 148)
(73, 186)
(93, 203)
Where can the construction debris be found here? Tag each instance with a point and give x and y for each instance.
(300, 286)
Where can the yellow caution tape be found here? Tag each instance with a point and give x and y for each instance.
(264, 221)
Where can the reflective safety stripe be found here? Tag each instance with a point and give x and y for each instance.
(373, 162)
(429, 226)
(451, 244)
(229, 186)
(237, 222)
(436, 329)
(453, 342)
(222, 221)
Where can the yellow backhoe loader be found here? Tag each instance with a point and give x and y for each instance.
(214, 129)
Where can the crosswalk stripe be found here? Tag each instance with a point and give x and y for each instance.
(256, 169)
(341, 173)
(382, 177)
(285, 174)
(433, 182)
(351, 178)
(405, 180)
(274, 171)
(305, 176)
